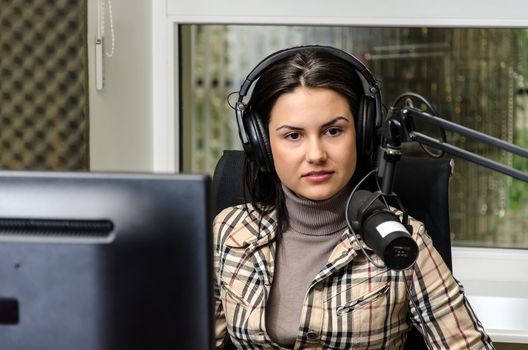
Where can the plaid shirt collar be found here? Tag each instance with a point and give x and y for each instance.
(257, 234)
(254, 237)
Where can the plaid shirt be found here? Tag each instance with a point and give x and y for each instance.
(350, 304)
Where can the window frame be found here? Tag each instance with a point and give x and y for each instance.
(476, 268)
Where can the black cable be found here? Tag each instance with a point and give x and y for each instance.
(228, 97)
(352, 231)
(398, 99)
(408, 96)
(349, 200)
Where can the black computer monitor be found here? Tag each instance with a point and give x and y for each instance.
(105, 261)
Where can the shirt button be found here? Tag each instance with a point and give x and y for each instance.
(312, 335)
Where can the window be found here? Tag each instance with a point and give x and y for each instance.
(478, 80)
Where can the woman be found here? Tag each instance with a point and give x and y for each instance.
(289, 274)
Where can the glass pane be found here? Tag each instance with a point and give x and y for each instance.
(474, 77)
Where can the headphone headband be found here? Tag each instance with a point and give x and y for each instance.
(271, 59)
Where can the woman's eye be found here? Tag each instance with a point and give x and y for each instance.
(293, 136)
(334, 131)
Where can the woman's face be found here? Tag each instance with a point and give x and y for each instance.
(313, 141)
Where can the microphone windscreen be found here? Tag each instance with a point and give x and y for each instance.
(382, 231)
(358, 204)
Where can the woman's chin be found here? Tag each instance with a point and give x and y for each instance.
(317, 195)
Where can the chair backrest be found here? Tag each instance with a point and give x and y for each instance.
(227, 181)
(421, 185)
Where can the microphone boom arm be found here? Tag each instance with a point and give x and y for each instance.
(404, 132)
(462, 130)
(472, 157)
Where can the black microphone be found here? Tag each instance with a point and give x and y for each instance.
(382, 231)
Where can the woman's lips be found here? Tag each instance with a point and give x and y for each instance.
(317, 176)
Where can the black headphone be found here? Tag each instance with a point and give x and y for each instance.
(254, 134)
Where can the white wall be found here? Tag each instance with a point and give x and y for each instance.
(121, 114)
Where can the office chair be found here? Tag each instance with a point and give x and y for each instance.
(421, 184)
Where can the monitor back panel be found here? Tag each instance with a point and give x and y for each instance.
(104, 261)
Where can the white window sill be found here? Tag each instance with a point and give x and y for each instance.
(496, 284)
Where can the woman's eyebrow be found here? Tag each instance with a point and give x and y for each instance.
(325, 125)
(285, 126)
(333, 121)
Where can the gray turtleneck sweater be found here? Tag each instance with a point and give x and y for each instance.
(315, 228)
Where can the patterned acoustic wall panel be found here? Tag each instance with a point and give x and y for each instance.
(43, 85)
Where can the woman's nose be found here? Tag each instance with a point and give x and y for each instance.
(315, 152)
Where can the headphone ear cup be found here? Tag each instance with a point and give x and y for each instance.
(366, 128)
(260, 149)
